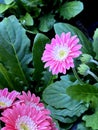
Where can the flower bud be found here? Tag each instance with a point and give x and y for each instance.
(86, 58)
(83, 69)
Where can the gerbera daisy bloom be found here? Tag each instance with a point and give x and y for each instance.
(24, 117)
(59, 54)
(31, 100)
(53, 124)
(7, 98)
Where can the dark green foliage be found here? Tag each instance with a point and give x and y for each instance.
(26, 26)
(14, 54)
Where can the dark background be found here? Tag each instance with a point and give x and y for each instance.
(88, 18)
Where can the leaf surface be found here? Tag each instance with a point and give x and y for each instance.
(91, 120)
(71, 9)
(40, 41)
(15, 52)
(85, 92)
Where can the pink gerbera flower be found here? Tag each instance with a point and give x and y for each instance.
(60, 53)
(24, 117)
(7, 98)
(31, 100)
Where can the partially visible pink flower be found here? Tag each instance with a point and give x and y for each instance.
(7, 98)
(53, 124)
(60, 53)
(31, 100)
(24, 117)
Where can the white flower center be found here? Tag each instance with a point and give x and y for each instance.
(60, 52)
(25, 123)
(5, 102)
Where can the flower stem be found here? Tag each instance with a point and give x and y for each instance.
(94, 61)
(77, 76)
(93, 75)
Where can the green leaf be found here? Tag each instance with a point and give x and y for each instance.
(55, 94)
(6, 76)
(92, 120)
(3, 7)
(62, 107)
(8, 1)
(31, 3)
(40, 41)
(64, 27)
(14, 53)
(71, 9)
(27, 20)
(46, 22)
(81, 126)
(85, 92)
(68, 116)
(47, 78)
(4, 82)
(95, 43)
(32, 6)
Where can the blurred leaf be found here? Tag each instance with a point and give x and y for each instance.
(27, 20)
(71, 9)
(40, 41)
(46, 22)
(95, 43)
(14, 53)
(8, 1)
(91, 120)
(85, 92)
(3, 7)
(64, 27)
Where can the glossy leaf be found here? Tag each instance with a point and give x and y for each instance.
(71, 9)
(27, 20)
(62, 107)
(55, 94)
(68, 116)
(14, 53)
(46, 23)
(40, 41)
